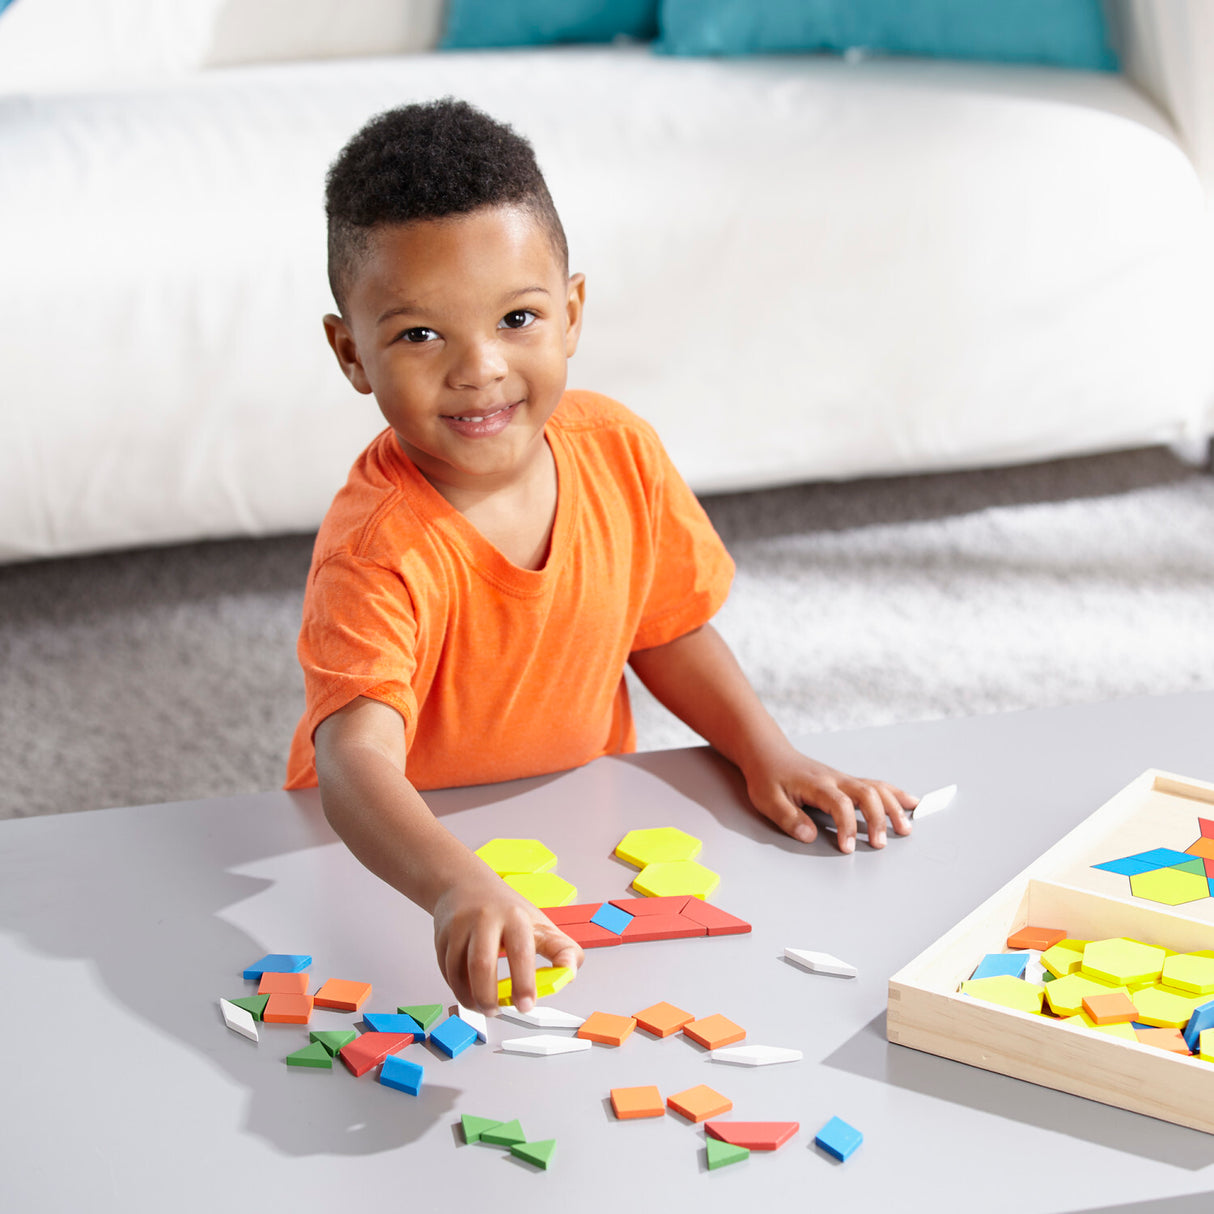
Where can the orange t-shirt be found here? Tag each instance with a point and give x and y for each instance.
(498, 671)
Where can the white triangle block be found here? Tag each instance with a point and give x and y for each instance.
(756, 1055)
(820, 963)
(238, 1020)
(545, 1045)
(934, 802)
(473, 1019)
(541, 1017)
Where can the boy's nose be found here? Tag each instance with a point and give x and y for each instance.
(479, 364)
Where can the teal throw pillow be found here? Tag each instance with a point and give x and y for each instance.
(486, 23)
(1067, 33)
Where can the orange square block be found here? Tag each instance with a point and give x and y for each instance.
(283, 984)
(606, 1029)
(342, 995)
(637, 1102)
(1204, 847)
(663, 1019)
(1113, 1008)
(1164, 1039)
(1035, 937)
(700, 1103)
(284, 1008)
(714, 1031)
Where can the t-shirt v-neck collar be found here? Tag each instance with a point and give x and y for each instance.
(435, 511)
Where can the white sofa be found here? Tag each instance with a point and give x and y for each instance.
(798, 267)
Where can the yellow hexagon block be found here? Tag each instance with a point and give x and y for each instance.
(1063, 958)
(1170, 886)
(1065, 995)
(1006, 991)
(542, 889)
(664, 880)
(1121, 961)
(1164, 1009)
(1112, 1030)
(1190, 973)
(548, 980)
(658, 845)
(506, 856)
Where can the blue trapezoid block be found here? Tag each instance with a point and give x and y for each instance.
(402, 1074)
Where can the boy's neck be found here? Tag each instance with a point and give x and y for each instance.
(516, 515)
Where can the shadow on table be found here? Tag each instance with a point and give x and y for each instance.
(142, 898)
(868, 1053)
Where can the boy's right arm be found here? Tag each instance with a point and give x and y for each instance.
(381, 817)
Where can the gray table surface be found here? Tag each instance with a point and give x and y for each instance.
(120, 928)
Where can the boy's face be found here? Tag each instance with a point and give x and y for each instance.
(461, 327)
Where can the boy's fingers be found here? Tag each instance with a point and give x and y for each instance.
(871, 804)
(785, 813)
(896, 807)
(843, 811)
(482, 970)
(558, 948)
(519, 940)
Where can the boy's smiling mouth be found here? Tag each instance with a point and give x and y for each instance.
(482, 423)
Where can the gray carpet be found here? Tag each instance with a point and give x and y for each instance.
(169, 674)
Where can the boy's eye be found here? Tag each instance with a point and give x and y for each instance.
(418, 335)
(517, 320)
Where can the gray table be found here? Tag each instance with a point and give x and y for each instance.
(119, 928)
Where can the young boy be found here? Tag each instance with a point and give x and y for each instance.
(502, 549)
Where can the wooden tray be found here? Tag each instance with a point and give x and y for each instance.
(1062, 889)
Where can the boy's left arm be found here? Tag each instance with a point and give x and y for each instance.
(699, 680)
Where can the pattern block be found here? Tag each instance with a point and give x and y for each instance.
(629, 1103)
(282, 963)
(839, 1139)
(343, 996)
(699, 1103)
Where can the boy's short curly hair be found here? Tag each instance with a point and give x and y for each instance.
(429, 161)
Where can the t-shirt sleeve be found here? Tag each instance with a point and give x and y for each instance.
(692, 570)
(358, 638)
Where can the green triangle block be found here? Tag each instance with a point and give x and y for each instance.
(1190, 866)
(332, 1039)
(311, 1055)
(538, 1153)
(721, 1154)
(424, 1013)
(504, 1135)
(474, 1127)
(254, 1004)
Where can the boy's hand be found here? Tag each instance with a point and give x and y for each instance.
(780, 786)
(474, 921)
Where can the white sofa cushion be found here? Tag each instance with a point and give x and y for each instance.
(796, 269)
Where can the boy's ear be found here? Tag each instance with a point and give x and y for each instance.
(573, 312)
(342, 341)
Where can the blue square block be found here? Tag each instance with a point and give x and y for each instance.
(401, 1074)
(612, 918)
(278, 963)
(837, 1138)
(394, 1022)
(1002, 963)
(453, 1036)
